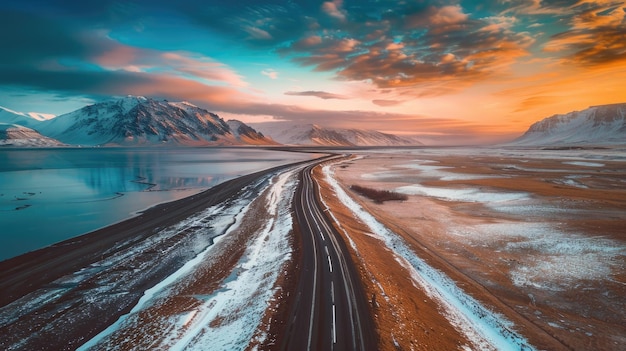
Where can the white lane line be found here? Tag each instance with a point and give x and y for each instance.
(332, 291)
(334, 328)
(326, 248)
(314, 287)
(322, 235)
(330, 264)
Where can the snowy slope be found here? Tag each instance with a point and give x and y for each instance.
(248, 135)
(20, 136)
(311, 134)
(12, 117)
(141, 121)
(597, 125)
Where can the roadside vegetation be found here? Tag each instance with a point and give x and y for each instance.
(378, 196)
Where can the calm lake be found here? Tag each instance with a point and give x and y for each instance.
(49, 195)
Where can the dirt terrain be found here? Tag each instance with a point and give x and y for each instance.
(538, 239)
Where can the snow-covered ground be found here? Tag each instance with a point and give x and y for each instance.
(242, 298)
(484, 328)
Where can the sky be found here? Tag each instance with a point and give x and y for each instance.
(445, 71)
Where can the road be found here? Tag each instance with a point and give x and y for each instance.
(31, 318)
(330, 311)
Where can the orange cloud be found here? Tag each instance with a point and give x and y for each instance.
(385, 103)
(320, 94)
(334, 9)
(597, 34)
(451, 51)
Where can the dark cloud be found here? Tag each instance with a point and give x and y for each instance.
(319, 94)
(32, 39)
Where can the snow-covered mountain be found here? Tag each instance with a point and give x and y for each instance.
(144, 121)
(8, 116)
(311, 134)
(597, 125)
(20, 136)
(247, 134)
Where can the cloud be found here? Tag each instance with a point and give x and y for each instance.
(412, 46)
(49, 56)
(31, 39)
(197, 66)
(386, 103)
(596, 34)
(258, 25)
(539, 7)
(535, 101)
(334, 9)
(438, 19)
(270, 73)
(320, 94)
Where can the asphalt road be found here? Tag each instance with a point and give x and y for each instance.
(330, 311)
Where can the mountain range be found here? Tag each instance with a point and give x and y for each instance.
(137, 121)
(17, 135)
(141, 121)
(597, 125)
(315, 135)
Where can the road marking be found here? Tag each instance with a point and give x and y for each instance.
(334, 328)
(330, 264)
(332, 291)
(322, 235)
(314, 288)
(326, 248)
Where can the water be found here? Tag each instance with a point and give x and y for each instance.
(49, 195)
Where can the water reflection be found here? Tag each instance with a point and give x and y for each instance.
(50, 195)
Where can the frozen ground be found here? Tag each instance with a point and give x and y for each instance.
(542, 230)
(484, 328)
(229, 317)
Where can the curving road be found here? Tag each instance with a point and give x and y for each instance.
(330, 310)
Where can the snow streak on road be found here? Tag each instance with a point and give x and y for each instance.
(484, 328)
(229, 317)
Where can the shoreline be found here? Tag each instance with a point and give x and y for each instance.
(137, 222)
(34, 292)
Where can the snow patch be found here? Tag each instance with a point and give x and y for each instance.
(430, 171)
(584, 164)
(484, 328)
(228, 318)
(243, 300)
(550, 259)
(465, 194)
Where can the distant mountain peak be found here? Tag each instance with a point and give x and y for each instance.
(139, 120)
(11, 111)
(20, 136)
(596, 125)
(315, 135)
(9, 116)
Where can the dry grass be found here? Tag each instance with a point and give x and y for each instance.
(379, 196)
